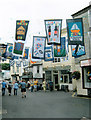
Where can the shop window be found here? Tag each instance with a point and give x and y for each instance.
(64, 78)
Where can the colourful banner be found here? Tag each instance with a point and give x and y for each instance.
(26, 53)
(3, 48)
(18, 48)
(9, 54)
(21, 29)
(11, 62)
(60, 50)
(38, 47)
(49, 53)
(75, 31)
(18, 63)
(53, 31)
(78, 50)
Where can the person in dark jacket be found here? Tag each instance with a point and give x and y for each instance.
(10, 88)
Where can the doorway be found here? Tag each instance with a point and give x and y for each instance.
(55, 81)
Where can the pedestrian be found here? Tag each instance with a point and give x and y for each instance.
(28, 84)
(35, 85)
(10, 88)
(50, 84)
(44, 85)
(16, 86)
(32, 86)
(3, 87)
(23, 88)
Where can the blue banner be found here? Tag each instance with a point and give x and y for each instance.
(49, 54)
(75, 31)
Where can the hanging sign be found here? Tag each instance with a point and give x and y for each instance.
(38, 47)
(60, 50)
(75, 31)
(49, 53)
(18, 48)
(53, 31)
(26, 53)
(21, 29)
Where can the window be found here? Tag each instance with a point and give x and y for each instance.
(17, 69)
(64, 78)
(37, 69)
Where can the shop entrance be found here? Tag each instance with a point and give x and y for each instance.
(55, 81)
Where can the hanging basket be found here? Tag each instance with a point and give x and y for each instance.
(76, 75)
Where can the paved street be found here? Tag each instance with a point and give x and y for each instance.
(45, 105)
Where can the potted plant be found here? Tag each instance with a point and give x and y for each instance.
(76, 75)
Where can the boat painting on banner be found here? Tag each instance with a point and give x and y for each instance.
(75, 31)
(18, 49)
(53, 31)
(38, 47)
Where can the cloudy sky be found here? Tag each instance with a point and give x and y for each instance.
(36, 11)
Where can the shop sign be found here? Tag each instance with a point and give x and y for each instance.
(86, 63)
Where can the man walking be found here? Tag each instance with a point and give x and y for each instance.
(3, 87)
(23, 89)
(15, 88)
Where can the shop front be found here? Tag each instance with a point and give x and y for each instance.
(59, 75)
(86, 75)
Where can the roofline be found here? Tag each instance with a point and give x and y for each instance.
(81, 11)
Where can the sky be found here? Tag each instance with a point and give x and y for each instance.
(36, 11)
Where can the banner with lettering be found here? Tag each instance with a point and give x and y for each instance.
(21, 29)
(18, 63)
(38, 48)
(75, 31)
(18, 49)
(78, 50)
(60, 50)
(53, 31)
(49, 53)
(11, 62)
(25, 63)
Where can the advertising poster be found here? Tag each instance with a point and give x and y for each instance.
(78, 50)
(26, 53)
(21, 29)
(18, 48)
(75, 31)
(60, 50)
(38, 48)
(53, 31)
(49, 53)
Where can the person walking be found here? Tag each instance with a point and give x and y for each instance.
(32, 86)
(23, 88)
(44, 85)
(35, 85)
(3, 87)
(15, 88)
(10, 88)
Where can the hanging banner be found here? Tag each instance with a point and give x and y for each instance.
(75, 31)
(11, 62)
(18, 63)
(38, 47)
(60, 50)
(53, 31)
(78, 50)
(3, 48)
(26, 53)
(49, 53)
(21, 29)
(18, 48)
(25, 63)
(9, 51)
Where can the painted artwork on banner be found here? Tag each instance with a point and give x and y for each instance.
(78, 50)
(49, 54)
(21, 29)
(18, 48)
(75, 31)
(3, 48)
(9, 51)
(26, 53)
(53, 31)
(60, 50)
(38, 47)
